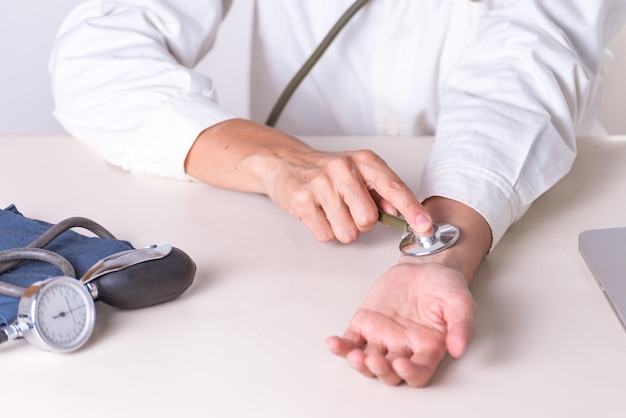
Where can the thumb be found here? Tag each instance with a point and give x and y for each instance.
(460, 333)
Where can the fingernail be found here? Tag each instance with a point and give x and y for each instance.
(423, 223)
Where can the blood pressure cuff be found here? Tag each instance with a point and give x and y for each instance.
(17, 231)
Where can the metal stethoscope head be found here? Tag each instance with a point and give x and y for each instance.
(443, 236)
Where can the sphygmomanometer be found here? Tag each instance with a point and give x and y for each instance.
(50, 277)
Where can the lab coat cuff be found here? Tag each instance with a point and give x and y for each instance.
(166, 139)
(476, 188)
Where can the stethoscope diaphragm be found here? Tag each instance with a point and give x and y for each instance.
(443, 236)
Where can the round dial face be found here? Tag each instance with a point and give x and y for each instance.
(63, 314)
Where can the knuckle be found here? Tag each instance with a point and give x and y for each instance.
(348, 236)
(301, 198)
(367, 156)
(366, 220)
(396, 185)
(339, 164)
(320, 182)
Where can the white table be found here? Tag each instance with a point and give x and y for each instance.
(247, 339)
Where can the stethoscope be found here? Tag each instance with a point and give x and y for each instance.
(443, 235)
(59, 313)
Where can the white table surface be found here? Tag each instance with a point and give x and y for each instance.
(247, 338)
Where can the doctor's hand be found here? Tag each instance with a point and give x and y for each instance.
(410, 318)
(335, 194)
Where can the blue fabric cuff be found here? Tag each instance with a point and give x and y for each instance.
(17, 231)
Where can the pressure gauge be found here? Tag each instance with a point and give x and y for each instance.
(57, 314)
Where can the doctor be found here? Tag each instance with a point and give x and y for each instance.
(505, 85)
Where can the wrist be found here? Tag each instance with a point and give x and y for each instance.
(473, 243)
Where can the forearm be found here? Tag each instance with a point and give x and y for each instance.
(237, 154)
(330, 192)
(474, 241)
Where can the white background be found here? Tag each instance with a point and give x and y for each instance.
(27, 28)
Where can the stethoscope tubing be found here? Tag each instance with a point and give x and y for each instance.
(311, 61)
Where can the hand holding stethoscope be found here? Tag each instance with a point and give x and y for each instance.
(443, 235)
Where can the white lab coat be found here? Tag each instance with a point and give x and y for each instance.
(506, 85)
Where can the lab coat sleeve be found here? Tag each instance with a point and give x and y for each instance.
(512, 105)
(122, 79)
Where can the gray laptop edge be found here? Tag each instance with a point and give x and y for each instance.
(604, 251)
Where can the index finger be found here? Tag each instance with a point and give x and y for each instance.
(388, 185)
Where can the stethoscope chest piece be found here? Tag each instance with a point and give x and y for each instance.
(444, 236)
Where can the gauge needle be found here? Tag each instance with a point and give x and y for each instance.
(62, 314)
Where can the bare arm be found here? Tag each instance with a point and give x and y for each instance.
(420, 308)
(335, 194)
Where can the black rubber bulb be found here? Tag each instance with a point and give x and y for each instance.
(147, 283)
